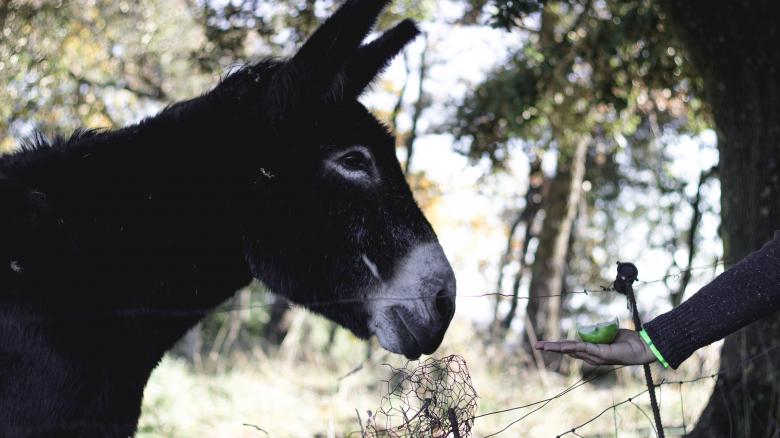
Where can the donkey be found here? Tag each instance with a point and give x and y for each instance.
(114, 243)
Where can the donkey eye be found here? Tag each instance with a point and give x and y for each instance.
(355, 161)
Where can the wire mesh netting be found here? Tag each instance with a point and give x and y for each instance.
(434, 399)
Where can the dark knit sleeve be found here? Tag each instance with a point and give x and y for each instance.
(748, 291)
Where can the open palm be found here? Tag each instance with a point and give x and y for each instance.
(627, 349)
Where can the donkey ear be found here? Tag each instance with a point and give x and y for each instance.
(325, 53)
(372, 58)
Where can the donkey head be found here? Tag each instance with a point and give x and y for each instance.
(338, 229)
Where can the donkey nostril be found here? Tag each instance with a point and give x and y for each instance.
(445, 304)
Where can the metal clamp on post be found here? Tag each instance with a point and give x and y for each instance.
(626, 276)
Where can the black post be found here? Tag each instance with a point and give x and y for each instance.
(453, 422)
(626, 276)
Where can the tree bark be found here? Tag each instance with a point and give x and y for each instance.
(191, 346)
(734, 46)
(506, 257)
(550, 258)
(517, 281)
(399, 103)
(242, 301)
(525, 218)
(533, 202)
(279, 320)
(419, 106)
(676, 296)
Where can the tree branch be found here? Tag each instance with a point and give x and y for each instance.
(419, 106)
(677, 296)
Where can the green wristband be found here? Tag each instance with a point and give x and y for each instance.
(645, 337)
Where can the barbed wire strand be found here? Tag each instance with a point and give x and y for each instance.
(363, 363)
(648, 418)
(541, 404)
(677, 382)
(546, 401)
(426, 387)
(189, 312)
(582, 381)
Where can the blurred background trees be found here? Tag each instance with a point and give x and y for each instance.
(590, 133)
(594, 82)
(639, 70)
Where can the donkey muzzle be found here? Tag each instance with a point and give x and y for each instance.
(416, 306)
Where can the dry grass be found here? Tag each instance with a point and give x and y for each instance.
(299, 393)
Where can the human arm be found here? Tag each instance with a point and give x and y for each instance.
(748, 291)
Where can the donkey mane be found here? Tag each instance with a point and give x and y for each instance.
(39, 141)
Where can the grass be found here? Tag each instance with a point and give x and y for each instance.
(302, 392)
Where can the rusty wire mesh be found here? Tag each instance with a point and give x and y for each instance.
(434, 399)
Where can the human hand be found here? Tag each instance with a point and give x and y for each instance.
(627, 349)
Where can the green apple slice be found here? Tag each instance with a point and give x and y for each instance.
(601, 333)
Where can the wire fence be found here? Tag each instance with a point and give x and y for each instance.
(436, 398)
(407, 408)
(232, 306)
(408, 412)
(607, 287)
(680, 383)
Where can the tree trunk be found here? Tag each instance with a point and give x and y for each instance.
(550, 257)
(399, 103)
(676, 296)
(419, 106)
(735, 47)
(533, 203)
(333, 329)
(279, 320)
(238, 315)
(528, 235)
(191, 346)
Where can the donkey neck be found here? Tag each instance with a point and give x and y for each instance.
(158, 204)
